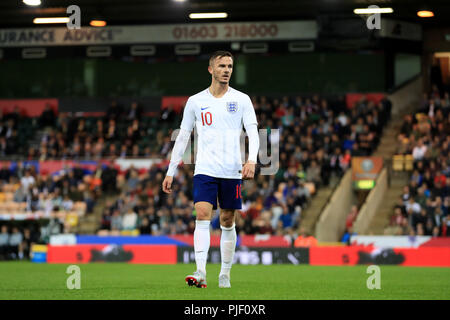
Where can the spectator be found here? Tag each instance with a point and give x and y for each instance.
(47, 118)
(15, 116)
(15, 244)
(397, 220)
(5, 173)
(27, 181)
(180, 227)
(4, 242)
(336, 162)
(111, 131)
(109, 178)
(419, 151)
(129, 221)
(304, 240)
(413, 209)
(3, 146)
(263, 225)
(168, 114)
(116, 221)
(105, 223)
(134, 112)
(145, 227)
(67, 203)
(406, 195)
(114, 111)
(133, 180)
(421, 198)
(351, 217)
(286, 219)
(54, 227)
(29, 239)
(313, 173)
(346, 238)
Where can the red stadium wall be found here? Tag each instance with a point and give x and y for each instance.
(250, 249)
(244, 241)
(352, 98)
(86, 253)
(28, 107)
(352, 255)
(177, 103)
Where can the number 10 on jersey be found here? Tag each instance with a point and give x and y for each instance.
(207, 118)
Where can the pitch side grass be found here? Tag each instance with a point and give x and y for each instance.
(26, 280)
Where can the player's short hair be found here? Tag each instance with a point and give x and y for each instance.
(220, 54)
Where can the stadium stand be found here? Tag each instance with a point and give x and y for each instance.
(423, 151)
(318, 138)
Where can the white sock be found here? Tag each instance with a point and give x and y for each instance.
(227, 248)
(201, 244)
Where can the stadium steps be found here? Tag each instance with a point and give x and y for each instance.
(36, 139)
(388, 143)
(90, 223)
(386, 148)
(310, 215)
(397, 180)
(381, 220)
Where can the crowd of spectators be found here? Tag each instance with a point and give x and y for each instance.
(59, 199)
(9, 126)
(424, 204)
(16, 243)
(122, 132)
(318, 137)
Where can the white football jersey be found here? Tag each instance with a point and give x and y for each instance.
(218, 123)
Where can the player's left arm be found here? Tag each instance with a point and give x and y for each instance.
(251, 127)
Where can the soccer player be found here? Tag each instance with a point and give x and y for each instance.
(218, 113)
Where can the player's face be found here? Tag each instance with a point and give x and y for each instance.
(221, 69)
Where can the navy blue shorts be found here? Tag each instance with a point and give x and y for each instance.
(210, 189)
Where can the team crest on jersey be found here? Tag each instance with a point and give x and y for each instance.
(232, 107)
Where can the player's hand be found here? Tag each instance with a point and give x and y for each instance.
(167, 184)
(248, 172)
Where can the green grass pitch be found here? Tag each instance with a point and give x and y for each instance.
(26, 280)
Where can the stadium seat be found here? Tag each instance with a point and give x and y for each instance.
(398, 162)
(409, 162)
(134, 232)
(72, 219)
(9, 196)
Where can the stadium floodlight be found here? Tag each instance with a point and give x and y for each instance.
(51, 20)
(373, 10)
(211, 15)
(98, 23)
(32, 2)
(425, 13)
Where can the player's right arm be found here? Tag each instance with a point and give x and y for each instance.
(187, 124)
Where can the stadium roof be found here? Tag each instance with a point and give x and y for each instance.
(15, 14)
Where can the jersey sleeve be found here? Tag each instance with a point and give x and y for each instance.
(188, 121)
(249, 115)
(251, 127)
